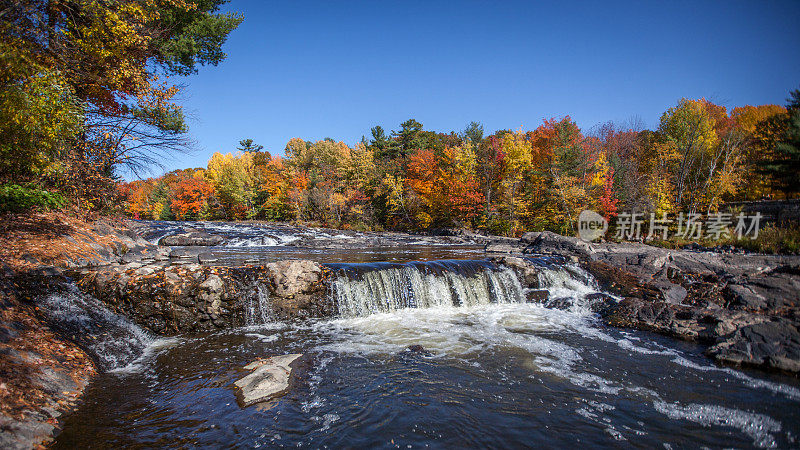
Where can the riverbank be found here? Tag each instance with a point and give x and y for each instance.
(745, 307)
(43, 371)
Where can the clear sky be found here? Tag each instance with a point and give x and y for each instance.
(337, 68)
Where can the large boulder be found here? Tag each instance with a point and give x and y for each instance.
(270, 379)
(771, 344)
(547, 242)
(298, 289)
(294, 276)
(527, 272)
(619, 282)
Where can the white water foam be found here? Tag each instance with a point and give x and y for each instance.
(261, 241)
(410, 286)
(757, 426)
(114, 340)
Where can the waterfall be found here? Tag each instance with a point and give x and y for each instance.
(111, 339)
(259, 309)
(570, 288)
(364, 289)
(567, 280)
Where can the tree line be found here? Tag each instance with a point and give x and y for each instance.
(508, 182)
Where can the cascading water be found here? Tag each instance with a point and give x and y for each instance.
(259, 309)
(569, 288)
(364, 289)
(112, 340)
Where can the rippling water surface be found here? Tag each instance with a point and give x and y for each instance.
(494, 373)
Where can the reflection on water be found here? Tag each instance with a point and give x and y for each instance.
(240, 256)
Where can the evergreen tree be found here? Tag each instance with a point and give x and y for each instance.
(784, 166)
(473, 134)
(247, 145)
(408, 139)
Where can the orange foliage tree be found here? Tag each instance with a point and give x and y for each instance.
(190, 198)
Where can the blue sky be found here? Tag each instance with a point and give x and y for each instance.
(335, 69)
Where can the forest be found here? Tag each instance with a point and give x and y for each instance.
(89, 92)
(507, 182)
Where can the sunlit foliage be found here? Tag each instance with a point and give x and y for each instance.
(507, 182)
(87, 88)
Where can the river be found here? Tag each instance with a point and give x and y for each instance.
(493, 370)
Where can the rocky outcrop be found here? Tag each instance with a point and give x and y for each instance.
(774, 343)
(168, 299)
(44, 369)
(43, 373)
(619, 282)
(745, 307)
(549, 243)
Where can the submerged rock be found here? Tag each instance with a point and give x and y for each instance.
(270, 379)
(527, 272)
(537, 295)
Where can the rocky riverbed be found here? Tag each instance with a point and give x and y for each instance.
(168, 278)
(746, 307)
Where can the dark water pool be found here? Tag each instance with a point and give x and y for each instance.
(513, 375)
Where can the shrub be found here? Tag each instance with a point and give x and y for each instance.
(774, 239)
(16, 198)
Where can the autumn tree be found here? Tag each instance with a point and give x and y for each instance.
(490, 168)
(230, 175)
(689, 139)
(190, 198)
(762, 127)
(103, 68)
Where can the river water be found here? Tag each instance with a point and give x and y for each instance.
(494, 372)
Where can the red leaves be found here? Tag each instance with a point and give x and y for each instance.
(445, 186)
(608, 201)
(190, 196)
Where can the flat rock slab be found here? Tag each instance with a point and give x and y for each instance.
(270, 379)
(192, 238)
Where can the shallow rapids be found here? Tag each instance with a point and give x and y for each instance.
(490, 375)
(444, 354)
